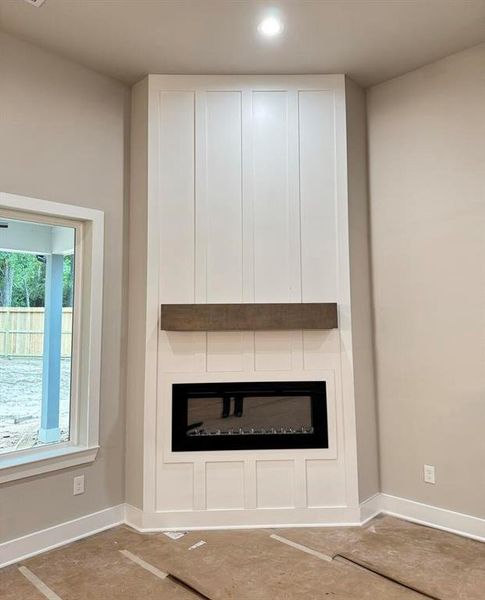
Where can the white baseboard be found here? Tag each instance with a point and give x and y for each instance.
(64, 533)
(370, 508)
(432, 516)
(424, 514)
(59, 535)
(134, 517)
(262, 518)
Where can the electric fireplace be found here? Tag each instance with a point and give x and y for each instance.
(249, 416)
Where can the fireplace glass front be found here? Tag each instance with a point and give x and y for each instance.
(249, 415)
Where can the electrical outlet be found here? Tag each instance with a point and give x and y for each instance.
(429, 474)
(36, 3)
(78, 487)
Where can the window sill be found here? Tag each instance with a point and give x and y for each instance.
(36, 462)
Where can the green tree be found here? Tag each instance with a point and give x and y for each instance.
(68, 280)
(29, 280)
(22, 279)
(6, 278)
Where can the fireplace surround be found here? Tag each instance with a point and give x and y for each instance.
(249, 191)
(249, 415)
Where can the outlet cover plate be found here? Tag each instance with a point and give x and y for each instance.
(36, 3)
(78, 486)
(429, 474)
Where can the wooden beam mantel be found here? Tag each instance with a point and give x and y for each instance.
(248, 317)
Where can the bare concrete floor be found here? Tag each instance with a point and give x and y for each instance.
(389, 559)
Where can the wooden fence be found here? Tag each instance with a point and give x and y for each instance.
(22, 331)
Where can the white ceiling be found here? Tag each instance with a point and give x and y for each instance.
(371, 40)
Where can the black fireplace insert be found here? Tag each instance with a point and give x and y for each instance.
(249, 415)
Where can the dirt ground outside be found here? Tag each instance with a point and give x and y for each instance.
(20, 401)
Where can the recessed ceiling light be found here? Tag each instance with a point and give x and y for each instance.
(270, 27)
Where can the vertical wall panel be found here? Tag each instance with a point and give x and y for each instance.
(175, 486)
(200, 208)
(225, 485)
(275, 483)
(271, 201)
(223, 205)
(273, 350)
(224, 214)
(294, 209)
(325, 483)
(317, 196)
(176, 178)
(199, 488)
(247, 195)
(278, 350)
(321, 349)
(301, 500)
(250, 485)
(182, 351)
(225, 350)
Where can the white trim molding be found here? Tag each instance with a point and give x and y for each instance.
(433, 516)
(402, 508)
(370, 508)
(45, 460)
(263, 518)
(53, 537)
(60, 535)
(86, 364)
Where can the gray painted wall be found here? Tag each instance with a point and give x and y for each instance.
(361, 293)
(63, 137)
(427, 184)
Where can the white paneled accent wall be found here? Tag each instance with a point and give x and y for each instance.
(247, 194)
(246, 202)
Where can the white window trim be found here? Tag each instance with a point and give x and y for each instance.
(84, 444)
